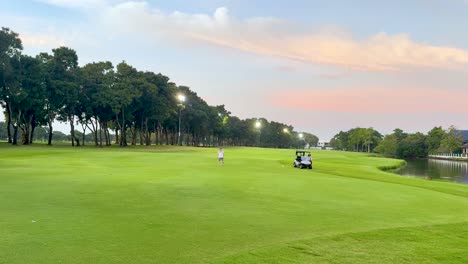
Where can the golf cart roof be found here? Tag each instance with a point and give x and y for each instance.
(302, 152)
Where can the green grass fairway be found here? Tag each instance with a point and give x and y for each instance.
(176, 205)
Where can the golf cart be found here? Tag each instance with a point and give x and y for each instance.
(303, 160)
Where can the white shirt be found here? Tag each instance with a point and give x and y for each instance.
(220, 154)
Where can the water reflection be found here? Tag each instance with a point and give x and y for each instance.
(448, 170)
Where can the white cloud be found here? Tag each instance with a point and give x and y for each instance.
(36, 34)
(76, 3)
(42, 40)
(272, 37)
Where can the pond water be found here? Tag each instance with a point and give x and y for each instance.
(446, 170)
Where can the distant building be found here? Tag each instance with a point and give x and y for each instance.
(465, 149)
(324, 145)
(464, 134)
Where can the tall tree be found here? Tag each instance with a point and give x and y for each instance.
(388, 146)
(399, 134)
(10, 51)
(158, 103)
(95, 110)
(65, 80)
(452, 141)
(53, 98)
(434, 138)
(124, 92)
(33, 86)
(340, 141)
(412, 146)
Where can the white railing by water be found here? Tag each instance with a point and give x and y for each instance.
(450, 156)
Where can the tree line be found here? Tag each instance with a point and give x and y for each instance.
(357, 139)
(118, 105)
(400, 144)
(41, 134)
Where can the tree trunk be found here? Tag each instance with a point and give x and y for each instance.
(84, 133)
(94, 129)
(77, 141)
(133, 135)
(72, 129)
(174, 138)
(130, 129)
(160, 134)
(10, 140)
(156, 141)
(26, 132)
(123, 134)
(166, 133)
(100, 132)
(109, 143)
(117, 136)
(148, 139)
(15, 134)
(106, 133)
(15, 129)
(140, 132)
(33, 128)
(147, 134)
(49, 141)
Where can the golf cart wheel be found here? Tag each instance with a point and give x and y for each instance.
(294, 165)
(310, 167)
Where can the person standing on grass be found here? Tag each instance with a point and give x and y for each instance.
(309, 158)
(221, 156)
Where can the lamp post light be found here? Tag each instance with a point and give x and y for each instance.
(258, 125)
(181, 99)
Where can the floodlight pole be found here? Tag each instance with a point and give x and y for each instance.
(301, 138)
(259, 136)
(181, 99)
(258, 126)
(180, 117)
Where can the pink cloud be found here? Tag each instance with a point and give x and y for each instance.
(372, 100)
(281, 39)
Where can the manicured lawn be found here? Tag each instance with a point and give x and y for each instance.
(176, 205)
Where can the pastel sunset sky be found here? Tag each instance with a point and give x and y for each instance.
(322, 66)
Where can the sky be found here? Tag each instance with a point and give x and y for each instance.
(321, 66)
